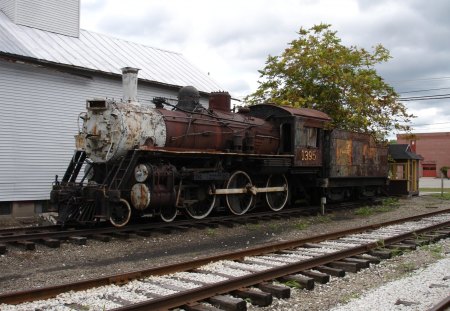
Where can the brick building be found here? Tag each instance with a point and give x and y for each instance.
(433, 147)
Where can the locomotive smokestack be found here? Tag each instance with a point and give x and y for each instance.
(129, 82)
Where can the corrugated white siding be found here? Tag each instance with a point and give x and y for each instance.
(9, 8)
(38, 120)
(59, 16)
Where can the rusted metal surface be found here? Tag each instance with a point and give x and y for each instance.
(268, 110)
(140, 196)
(356, 155)
(220, 101)
(111, 132)
(158, 189)
(220, 131)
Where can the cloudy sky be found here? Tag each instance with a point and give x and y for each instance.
(231, 39)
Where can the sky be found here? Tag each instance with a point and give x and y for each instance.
(231, 40)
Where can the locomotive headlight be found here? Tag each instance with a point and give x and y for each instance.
(142, 172)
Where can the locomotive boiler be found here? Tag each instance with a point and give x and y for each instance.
(166, 159)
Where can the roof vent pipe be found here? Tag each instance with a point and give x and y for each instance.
(129, 82)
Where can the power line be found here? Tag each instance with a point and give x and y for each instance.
(420, 79)
(427, 90)
(425, 97)
(423, 124)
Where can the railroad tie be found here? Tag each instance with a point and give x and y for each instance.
(28, 245)
(2, 249)
(278, 291)
(199, 307)
(371, 259)
(121, 235)
(258, 298)
(381, 253)
(52, 243)
(78, 240)
(319, 277)
(347, 266)
(401, 246)
(331, 271)
(304, 281)
(101, 237)
(362, 263)
(228, 303)
(416, 242)
(143, 233)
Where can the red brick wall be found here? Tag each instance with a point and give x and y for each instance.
(433, 147)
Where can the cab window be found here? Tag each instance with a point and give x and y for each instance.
(308, 136)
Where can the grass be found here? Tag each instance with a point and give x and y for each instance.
(322, 219)
(211, 232)
(301, 225)
(387, 205)
(447, 190)
(435, 250)
(444, 196)
(253, 227)
(292, 284)
(348, 297)
(407, 267)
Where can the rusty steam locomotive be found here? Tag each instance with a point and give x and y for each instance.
(162, 160)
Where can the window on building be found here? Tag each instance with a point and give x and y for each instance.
(397, 171)
(5, 208)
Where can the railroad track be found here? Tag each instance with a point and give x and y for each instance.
(226, 280)
(51, 236)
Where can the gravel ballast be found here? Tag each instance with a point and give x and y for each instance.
(20, 269)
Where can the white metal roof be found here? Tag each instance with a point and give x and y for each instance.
(102, 53)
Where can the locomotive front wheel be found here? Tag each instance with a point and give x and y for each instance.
(239, 203)
(120, 214)
(277, 200)
(204, 205)
(168, 213)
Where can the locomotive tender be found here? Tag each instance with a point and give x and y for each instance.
(162, 160)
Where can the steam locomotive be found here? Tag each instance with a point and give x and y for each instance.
(162, 160)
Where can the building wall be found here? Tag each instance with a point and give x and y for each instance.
(38, 120)
(59, 16)
(433, 147)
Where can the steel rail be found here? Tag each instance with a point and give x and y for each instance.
(52, 291)
(197, 294)
(442, 305)
(25, 234)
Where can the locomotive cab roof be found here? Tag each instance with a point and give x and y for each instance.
(266, 111)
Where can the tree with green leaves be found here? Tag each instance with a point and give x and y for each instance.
(317, 71)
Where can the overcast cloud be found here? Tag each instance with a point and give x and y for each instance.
(231, 39)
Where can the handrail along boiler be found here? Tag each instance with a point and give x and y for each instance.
(163, 159)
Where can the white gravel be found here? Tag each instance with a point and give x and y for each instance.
(419, 291)
(219, 267)
(207, 278)
(378, 288)
(21, 269)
